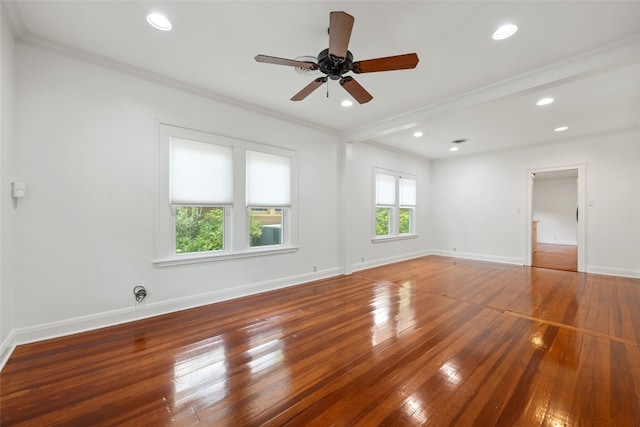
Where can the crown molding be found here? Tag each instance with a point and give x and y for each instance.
(11, 15)
(618, 54)
(546, 143)
(386, 147)
(39, 42)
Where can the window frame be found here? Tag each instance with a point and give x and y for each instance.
(394, 214)
(236, 215)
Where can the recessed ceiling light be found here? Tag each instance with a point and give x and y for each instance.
(417, 134)
(544, 101)
(561, 129)
(159, 21)
(505, 32)
(454, 148)
(346, 103)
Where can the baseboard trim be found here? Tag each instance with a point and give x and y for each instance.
(610, 271)
(142, 311)
(559, 242)
(6, 348)
(480, 257)
(390, 260)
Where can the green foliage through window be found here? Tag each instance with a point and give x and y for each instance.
(199, 229)
(265, 227)
(405, 221)
(255, 229)
(382, 221)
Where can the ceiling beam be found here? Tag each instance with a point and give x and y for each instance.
(611, 56)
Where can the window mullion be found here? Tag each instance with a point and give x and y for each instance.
(240, 215)
(396, 210)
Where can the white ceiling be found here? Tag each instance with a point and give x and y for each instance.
(585, 54)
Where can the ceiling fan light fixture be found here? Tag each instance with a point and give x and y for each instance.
(347, 103)
(561, 129)
(417, 134)
(454, 148)
(505, 31)
(159, 21)
(306, 71)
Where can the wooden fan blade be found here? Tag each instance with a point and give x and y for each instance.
(283, 61)
(389, 63)
(358, 92)
(309, 88)
(340, 26)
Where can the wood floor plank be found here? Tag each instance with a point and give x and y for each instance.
(555, 256)
(430, 341)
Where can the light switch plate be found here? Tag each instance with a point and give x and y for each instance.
(18, 190)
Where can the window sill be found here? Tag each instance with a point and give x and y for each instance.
(380, 239)
(187, 259)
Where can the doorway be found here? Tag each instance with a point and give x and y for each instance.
(555, 237)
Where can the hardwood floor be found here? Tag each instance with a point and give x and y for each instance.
(558, 257)
(433, 341)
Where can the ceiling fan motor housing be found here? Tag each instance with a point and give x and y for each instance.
(334, 67)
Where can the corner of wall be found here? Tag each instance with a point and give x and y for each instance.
(7, 333)
(6, 349)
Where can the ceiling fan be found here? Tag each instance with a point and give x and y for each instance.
(337, 61)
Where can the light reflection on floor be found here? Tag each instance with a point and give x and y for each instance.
(200, 372)
(414, 408)
(451, 374)
(392, 314)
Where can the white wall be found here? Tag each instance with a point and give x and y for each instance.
(7, 212)
(363, 159)
(86, 230)
(479, 202)
(554, 206)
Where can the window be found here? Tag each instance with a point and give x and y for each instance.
(265, 227)
(268, 195)
(199, 229)
(407, 204)
(395, 204)
(385, 203)
(221, 197)
(201, 190)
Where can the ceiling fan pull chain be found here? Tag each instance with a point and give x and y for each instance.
(327, 89)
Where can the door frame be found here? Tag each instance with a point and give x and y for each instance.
(582, 212)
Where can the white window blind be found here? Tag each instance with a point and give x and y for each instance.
(268, 180)
(407, 192)
(385, 189)
(201, 173)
